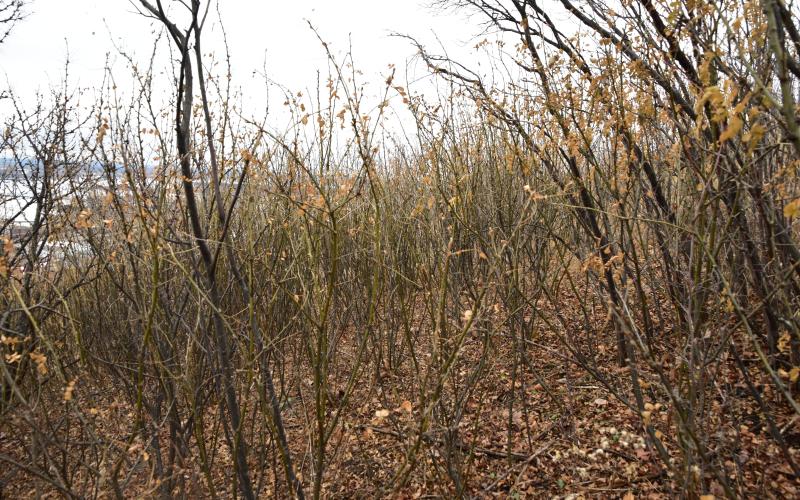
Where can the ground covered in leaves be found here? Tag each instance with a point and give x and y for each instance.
(541, 428)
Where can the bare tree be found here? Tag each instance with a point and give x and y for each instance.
(183, 41)
(11, 12)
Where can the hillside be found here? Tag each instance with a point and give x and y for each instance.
(574, 273)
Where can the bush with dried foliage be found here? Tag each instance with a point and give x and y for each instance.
(577, 275)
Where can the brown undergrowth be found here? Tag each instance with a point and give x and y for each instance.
(577, 278)
(549, 430)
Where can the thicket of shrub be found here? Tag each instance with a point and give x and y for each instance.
(188, 280)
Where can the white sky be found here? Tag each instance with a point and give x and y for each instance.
(258, 30)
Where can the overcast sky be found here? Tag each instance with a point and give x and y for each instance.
(259, 31)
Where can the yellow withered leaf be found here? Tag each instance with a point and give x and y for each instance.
(734, 127)
(792, 209)
(69, 390)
